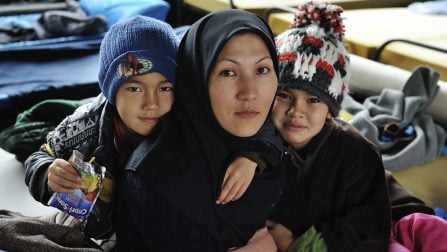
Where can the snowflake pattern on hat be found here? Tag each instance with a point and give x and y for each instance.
(312, 56)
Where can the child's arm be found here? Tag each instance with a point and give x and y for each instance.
(38, 164)
(263, 151)
(36, 175)
(237, 179)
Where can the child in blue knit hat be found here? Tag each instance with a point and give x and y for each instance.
(337, 198)
(136, 78)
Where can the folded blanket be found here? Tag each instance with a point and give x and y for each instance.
(392, 112)
(21, 233)
(32, 126)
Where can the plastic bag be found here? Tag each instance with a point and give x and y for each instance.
(79, 203)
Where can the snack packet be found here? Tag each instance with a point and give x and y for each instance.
(79, 203)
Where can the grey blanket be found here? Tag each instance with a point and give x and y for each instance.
(21, 233)
(400, 109)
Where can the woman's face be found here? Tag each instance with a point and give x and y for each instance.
(242, 85)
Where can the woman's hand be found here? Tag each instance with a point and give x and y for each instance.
(283, 236)
(262, 241)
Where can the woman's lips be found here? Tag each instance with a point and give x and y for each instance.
(248, 114)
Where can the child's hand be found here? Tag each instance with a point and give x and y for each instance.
(63, 177)
(237, 179)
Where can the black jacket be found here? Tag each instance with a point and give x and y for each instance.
(338, 186)
(89, 130)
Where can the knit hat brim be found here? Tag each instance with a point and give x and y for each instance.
(135, 63)
(309, 87)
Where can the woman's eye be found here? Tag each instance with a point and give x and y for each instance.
(134, 89)
(227, 73)
(262, 70)
(166, 89)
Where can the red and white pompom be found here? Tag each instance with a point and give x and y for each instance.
(322, 14)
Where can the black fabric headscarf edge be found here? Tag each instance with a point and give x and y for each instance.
(198, 53)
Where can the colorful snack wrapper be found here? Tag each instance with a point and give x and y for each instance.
(79, 203)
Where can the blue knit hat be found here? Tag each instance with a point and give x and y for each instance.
(312, 56)
(137, 46)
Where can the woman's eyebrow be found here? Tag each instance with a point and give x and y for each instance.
(227, 59)
(264, 58)
(235, 62)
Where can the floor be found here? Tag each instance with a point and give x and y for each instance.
(14, 193)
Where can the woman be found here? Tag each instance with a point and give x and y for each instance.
(227, 70)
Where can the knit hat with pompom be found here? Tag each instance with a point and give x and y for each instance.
(312, 56)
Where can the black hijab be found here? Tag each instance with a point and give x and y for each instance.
(188, 160)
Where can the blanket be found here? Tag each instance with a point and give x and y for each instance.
(21, 233)
(385, 120)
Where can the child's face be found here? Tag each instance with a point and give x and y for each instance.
(242, 85)
(142, 100)
(299, 116)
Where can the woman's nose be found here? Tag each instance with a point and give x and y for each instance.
(248, 89)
